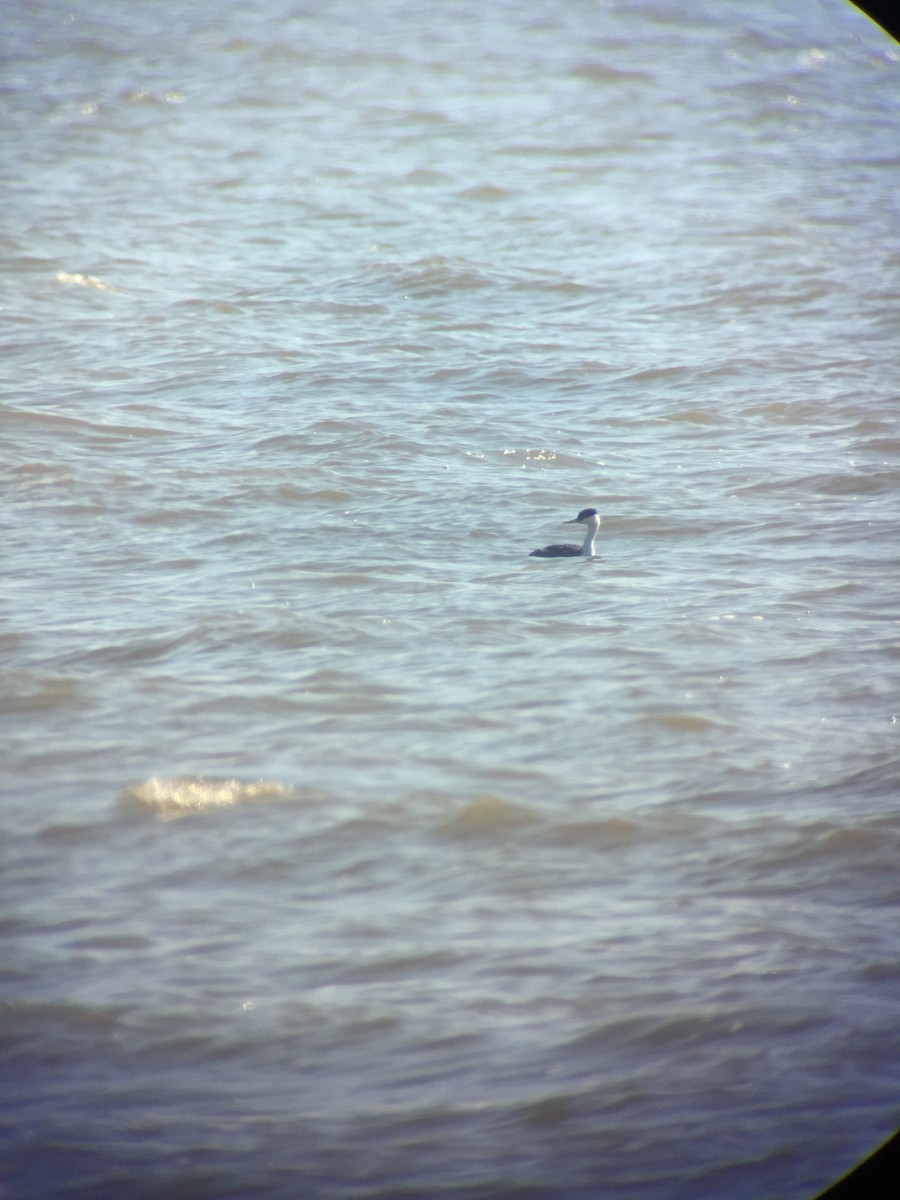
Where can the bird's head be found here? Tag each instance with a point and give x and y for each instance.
(587, 516)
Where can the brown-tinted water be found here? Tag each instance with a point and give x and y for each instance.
(349, 851)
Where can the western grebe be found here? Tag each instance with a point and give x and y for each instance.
(589, 517)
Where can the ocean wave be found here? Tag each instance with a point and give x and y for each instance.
(189, 795)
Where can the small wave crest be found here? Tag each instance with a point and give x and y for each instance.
(84, 280)
(489, 815)
(188, 795)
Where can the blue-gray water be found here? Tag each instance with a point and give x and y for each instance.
(349, 851)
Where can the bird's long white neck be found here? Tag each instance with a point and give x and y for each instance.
(587, 547)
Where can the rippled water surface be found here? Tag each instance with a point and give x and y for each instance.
(348, 850)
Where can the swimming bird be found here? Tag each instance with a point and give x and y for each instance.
(589, 517)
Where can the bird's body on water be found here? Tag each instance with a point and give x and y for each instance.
(588, 517)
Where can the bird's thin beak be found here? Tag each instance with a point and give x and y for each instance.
(574, 521)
